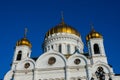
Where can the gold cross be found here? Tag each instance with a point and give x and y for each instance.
(25, 33)
(62, 16)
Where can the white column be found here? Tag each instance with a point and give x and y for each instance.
(64, 48)
(72, 48)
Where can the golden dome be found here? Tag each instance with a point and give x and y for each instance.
(24, 41)
(93, 34)
(62, 28)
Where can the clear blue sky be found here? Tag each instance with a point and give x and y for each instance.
(41, 15)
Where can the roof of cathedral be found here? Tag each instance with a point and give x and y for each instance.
(93, 34)
(67, 56)
(62, 28)
(24, 40)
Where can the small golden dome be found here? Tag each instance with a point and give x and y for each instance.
(93, 34)
(24, 41)
(62, 28)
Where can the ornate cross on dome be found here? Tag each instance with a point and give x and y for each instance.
(92, 27)
(25, 33)
(62, 16)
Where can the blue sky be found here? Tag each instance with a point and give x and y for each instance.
(39, 16)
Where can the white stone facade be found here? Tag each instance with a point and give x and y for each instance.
(63, 59)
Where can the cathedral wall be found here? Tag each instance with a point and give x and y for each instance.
(23, 75)
(116, 77)
(97, 58)
(78, 73)
(50, 74)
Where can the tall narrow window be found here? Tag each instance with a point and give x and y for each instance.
(68, 49)
(45, 49)
(19, 55)
(60, 48)
(27, 54)
(96, 49)
(52, 46)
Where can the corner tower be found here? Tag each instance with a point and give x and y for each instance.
(96, 47)
(22, 50)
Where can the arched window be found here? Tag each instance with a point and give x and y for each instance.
(19, 55)
(27, 54)
(45, 49)
(60, 48)
(51, 46)
(96, 49)
(68, 48)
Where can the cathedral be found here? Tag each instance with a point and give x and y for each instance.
(63, 57)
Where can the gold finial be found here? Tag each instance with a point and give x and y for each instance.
(62, 17)
(92, 27)
(25, 33)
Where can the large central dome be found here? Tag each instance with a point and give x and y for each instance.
(62, 28)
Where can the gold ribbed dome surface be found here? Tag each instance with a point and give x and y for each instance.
(93, 34)
(24, 41)
(62, 28)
